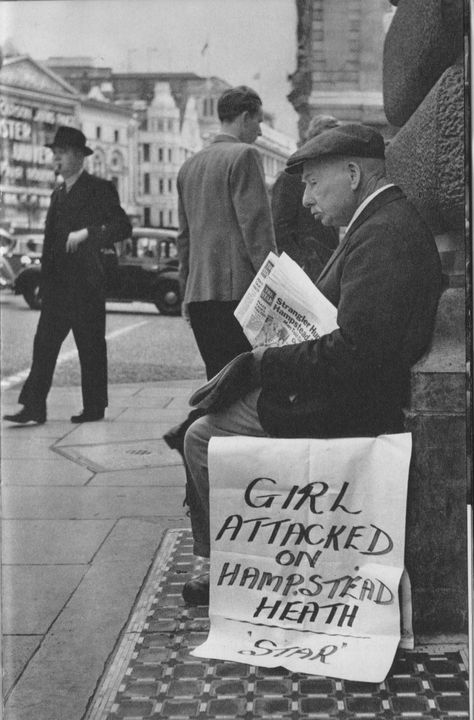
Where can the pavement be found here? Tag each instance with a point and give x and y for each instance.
(96, 546)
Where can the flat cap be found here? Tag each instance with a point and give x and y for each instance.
(354, 140)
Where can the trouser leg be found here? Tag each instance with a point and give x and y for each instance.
(219, 338)
(89, 334)
(218, 334)
(239, 419)
(51, 331)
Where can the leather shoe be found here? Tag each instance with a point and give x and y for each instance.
(88, 416)
(27, 415)
(196, 591)
(174, 438)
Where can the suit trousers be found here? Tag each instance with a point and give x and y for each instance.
(86, 318)
(241, 418)
(218, 334)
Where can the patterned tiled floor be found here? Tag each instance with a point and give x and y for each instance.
(154, 677)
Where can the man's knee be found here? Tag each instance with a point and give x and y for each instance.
(196, 441)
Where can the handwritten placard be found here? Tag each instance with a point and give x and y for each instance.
(307, 551)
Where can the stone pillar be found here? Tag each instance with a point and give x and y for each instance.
(339, 69)
(423, 84)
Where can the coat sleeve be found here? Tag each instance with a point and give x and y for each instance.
(377, 293)
(114, 225)
(182, 241)
(252, 205)
(286, 199)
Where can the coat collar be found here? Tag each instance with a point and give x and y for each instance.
(383, 198)
(226, 137)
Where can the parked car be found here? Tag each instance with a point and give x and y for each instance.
(7, 274)
(144, 268)
(21, 249)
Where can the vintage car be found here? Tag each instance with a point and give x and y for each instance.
(144, 268)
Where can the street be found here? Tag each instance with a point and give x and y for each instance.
(143, 346)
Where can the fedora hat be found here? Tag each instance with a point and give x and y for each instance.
(70, 137)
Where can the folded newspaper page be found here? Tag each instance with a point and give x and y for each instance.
(282, 306)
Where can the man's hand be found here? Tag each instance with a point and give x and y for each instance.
(75, 238)
(239, 377)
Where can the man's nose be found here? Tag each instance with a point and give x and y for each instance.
(308, 200)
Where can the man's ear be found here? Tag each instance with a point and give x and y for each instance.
(355, 174)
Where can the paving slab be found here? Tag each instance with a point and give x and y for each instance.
(17, 651)
(86, 503)
(21, 445)
(51, 541)
(109, 431)
(162, 476)
(170, 415)
(121, 455)
(54, 428)
(57, 471)
(63, 673)
(34, 595)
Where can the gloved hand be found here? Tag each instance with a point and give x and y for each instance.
(234, 381)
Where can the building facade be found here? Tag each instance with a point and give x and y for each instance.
(112, 133)
(339, 70)
(139, 91)
(33, 103)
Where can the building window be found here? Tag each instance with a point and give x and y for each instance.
(116, 136)
(170, 217)
(161, 218)
(146, 216)
(161, 125)
(170, 155)
(146, 183)
(98, 132)
(170, 185)
(211, 106)
(161, 186)
(146, 152)
(160, 154)
(170, 124)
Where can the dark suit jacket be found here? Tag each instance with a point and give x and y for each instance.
(297, 233)
(225, 221)
(92, 203)
(385, 279)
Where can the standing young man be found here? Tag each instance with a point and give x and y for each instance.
(84, 217)
(225, 231)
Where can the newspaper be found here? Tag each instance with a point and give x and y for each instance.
(282, 306)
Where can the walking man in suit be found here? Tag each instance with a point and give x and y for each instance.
(385, 280)
(225, 232)
(84, 216)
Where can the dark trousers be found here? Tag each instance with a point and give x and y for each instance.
(218, 334)
(86, 319)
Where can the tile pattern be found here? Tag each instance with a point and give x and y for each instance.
(153, 676)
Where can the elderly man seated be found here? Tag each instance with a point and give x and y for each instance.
(385, 280)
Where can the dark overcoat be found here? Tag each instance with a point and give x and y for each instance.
(92, 203)
(385, 280)
(73, 289)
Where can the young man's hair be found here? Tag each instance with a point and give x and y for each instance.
(237, 100)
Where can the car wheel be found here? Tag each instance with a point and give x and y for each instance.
(32, 295)
(167, 299)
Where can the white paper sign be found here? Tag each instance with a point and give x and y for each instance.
(307, 551)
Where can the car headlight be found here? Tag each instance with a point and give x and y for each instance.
(25, 260)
